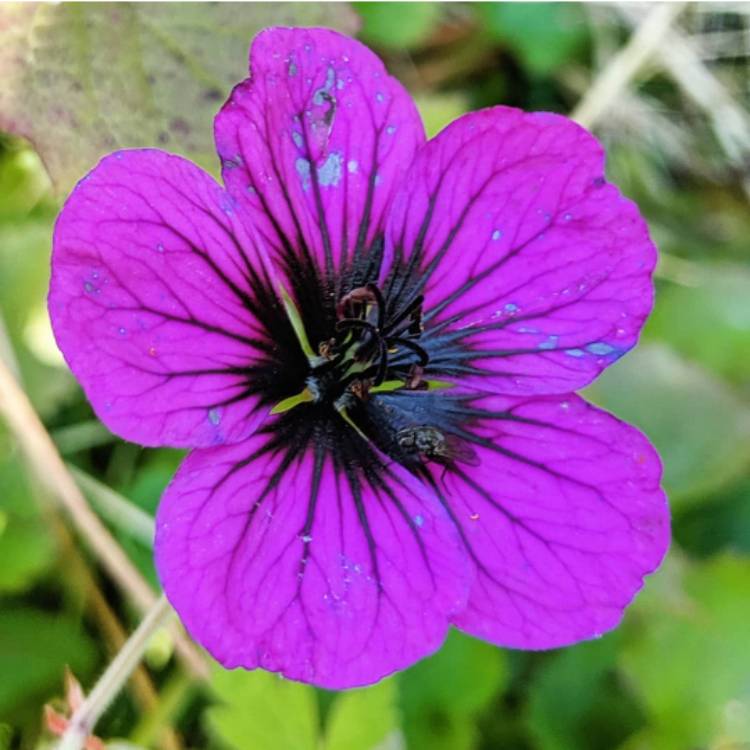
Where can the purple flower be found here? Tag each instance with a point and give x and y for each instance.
(371, 342)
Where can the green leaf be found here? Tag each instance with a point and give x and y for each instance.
(699, 426)
(690, 664)
(120, 512)
(81, 436)
(439, 110)
(442, 695)
(22, 181)
(27, 549)
(575, 701)
(35, 647)
(397, 25)
(722, 524)
(362, 719)
(262, 711)
(709, 320)
(130, 75)
(544, 35)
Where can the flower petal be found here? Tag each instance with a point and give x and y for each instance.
(282, 561)
(149, 301)
(315, 142)
(524, 252)
(562, 515)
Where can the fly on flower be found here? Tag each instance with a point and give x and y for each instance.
(371, 342)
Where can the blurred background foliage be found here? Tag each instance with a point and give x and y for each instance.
(80, 80)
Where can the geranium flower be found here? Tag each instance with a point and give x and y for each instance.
(370, 342)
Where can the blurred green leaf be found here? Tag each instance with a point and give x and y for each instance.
(262, 711)
(362, 719)
(395, 25)
(130, 75)
(722, 524)
(544, 35)
(438, 110)
(441, 695)
(22, 182)
(701, 429)
(708, 321)
(596, 713)
(120, 512)
(690, 663)
(81, 436)
(26, 547)
(35, 647)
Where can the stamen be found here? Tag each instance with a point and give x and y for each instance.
(305, 396)
(424, 358)
(380, 303)
(298, 326)
(413, 307)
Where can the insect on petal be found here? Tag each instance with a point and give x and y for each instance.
(562, 516)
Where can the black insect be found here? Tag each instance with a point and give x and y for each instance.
(434, 445)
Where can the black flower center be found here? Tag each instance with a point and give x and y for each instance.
(350, 367)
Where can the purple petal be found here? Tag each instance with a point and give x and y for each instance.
(280, 561)
(521, 246)
(562, 515)
(149, 301)
(315, 143)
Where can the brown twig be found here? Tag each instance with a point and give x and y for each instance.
(47, 465)
(624, 66)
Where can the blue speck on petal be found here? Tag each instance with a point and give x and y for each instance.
(390, 130)
(122, 331)
(214, 416)
(379, 97)
(601, 349)
(550, 343)
(160, 248)
(496, 235)
(575, 352)
(418, 521)
(297, 138)
(352, 166)
(511, 308)
(227, 204)
(303, 170)
(330, 173)
(88, 286)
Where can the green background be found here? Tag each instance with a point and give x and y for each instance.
(80, 80)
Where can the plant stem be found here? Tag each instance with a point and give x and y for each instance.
(46, 463)
(115, 676)
(643, 44)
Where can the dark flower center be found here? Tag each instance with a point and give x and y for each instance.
(366, 342)
(354, 368)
